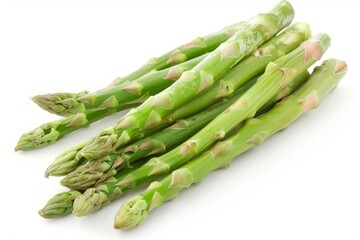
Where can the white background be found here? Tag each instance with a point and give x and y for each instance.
(302, 183)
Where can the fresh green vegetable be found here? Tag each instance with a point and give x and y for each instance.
(148, 115)
(277, 77)
(68, 104)
(243, 72)
(87, 175)
(254, 132)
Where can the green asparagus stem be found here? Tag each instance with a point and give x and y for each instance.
(190, 50)
(51, 132)
(254, 132)
(59, 205)
(62, 203)
(87, 175)
(149, 114)
(97, 172)
(278, 75)
(252, 66)
(68, 104)
(249, 68)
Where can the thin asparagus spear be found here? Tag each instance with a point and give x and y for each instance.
(254, 132)
(106, 102)
(68, 104)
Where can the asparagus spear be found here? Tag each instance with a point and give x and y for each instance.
(252, 66)
(62, 203)
(68, 104)
(254, 132)
(51, 132)
(104, 103)
(190, 50)
(149, 114)
(60, 102)
(278, 75)
(99, 171)
(59, 205)
(87, 175)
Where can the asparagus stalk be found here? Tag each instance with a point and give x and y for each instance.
(51, 132)
(62, 203)
(149, 114)
(68, 104)
(97, 172)
(87, 175)
(254, 132)
(104, 103)
(252, 66)
(190, 50)
(60, 102)
(278, 75)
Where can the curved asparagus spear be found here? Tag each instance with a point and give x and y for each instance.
(148, 115)
(59, 205)
(254, 132)
(100, 170)
(252, 66)
(278, 75)
(68, 104)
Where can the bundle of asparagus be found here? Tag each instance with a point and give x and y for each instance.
(198, 107)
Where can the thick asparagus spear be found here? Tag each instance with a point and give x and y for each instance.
(99, 171)
(252, 66)
(254, 132)
(148, 115)
(276, 78)
(88, 174)
(62, 203)
(68, 104)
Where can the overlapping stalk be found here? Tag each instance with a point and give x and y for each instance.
(62, 203)
(97, 172)
(62, 103)
(68, 104)
(149, 114)
(95, 106)
(243, 72)
(254, 132)
(100, 170)
(277, 77)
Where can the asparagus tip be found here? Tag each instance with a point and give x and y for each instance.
(131, 213)
(59, 205)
